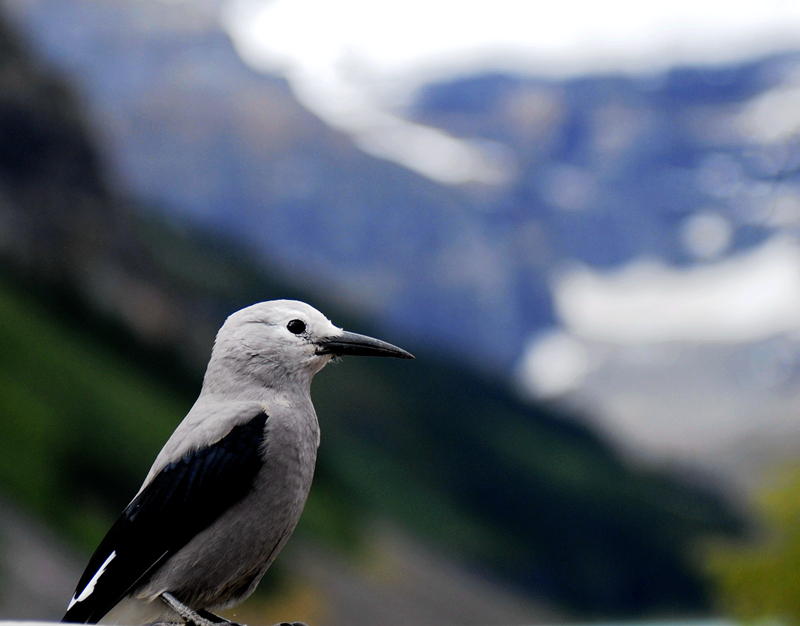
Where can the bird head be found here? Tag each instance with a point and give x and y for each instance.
(284, 340)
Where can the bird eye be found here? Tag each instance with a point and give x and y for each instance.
(296, 326)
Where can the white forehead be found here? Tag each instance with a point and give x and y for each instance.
(281, 312)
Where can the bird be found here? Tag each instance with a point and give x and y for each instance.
(227, 489)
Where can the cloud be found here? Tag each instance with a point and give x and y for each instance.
(741, 300)
(748, 297)
(354, 63)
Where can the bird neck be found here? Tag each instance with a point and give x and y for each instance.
(254, 379)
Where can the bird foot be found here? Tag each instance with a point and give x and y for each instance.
(292, 624)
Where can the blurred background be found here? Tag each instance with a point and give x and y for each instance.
(583, 219)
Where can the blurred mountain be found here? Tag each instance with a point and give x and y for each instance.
(108, 310)
(689, 167)
(604, 170)
(187, 126)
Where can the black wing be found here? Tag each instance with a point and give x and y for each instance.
(184, 498)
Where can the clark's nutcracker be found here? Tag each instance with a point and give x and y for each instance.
(227, 489)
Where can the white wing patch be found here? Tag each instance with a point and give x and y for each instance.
(87, 590)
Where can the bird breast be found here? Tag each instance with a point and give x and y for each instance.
(223, 564)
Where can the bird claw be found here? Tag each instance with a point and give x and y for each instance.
(292, 624)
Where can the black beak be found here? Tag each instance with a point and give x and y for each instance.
(360, 345)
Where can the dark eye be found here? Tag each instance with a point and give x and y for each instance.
(296, 326)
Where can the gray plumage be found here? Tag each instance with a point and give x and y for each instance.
(260, 372)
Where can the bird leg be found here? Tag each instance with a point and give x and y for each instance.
(190, 616)
(203, 617)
